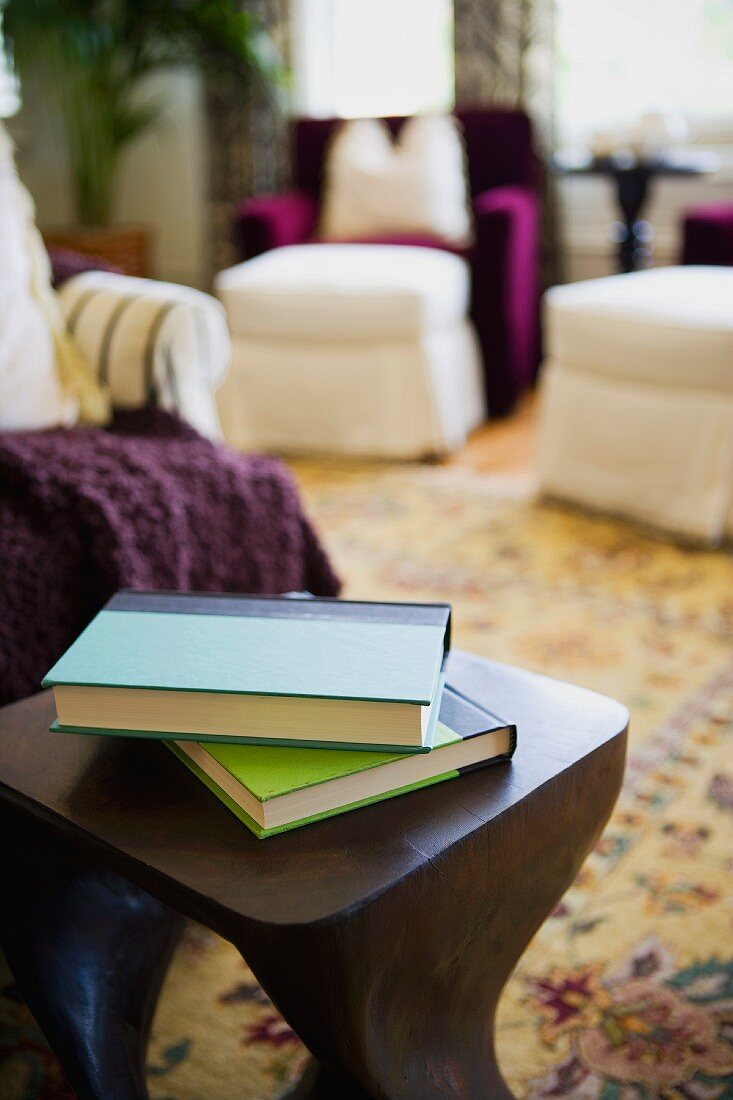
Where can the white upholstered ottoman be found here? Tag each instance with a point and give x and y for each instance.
(637, 403)
(351, 349)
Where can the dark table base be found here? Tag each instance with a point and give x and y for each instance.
(634, 235)
(89, 951)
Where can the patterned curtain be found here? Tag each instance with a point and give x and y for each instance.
(505, 54)
(247, 139)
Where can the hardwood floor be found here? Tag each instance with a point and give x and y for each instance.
(504, 446)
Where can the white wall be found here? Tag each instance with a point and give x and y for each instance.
(163, 179)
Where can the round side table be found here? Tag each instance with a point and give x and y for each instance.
(632, 179)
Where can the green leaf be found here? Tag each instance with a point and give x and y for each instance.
(93, 56)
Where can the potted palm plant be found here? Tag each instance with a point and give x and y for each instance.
(95, 56)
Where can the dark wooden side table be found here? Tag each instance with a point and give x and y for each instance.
(632, 179)
(384, 936)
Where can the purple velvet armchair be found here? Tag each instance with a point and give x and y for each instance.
(708, 235)
(504, 182)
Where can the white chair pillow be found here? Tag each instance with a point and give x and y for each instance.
(375, 186)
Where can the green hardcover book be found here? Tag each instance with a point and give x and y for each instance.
(272, 790)
(259, 670)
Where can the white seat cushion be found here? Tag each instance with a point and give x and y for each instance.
(343, 293)
(672, 326)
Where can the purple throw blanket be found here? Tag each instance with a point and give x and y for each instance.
(146, 504)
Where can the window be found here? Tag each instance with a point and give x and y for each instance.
(381, 57)
(621, 58)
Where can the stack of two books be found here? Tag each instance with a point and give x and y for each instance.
(288, 710)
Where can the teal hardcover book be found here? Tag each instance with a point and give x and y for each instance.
(262, 670)
(272, 790)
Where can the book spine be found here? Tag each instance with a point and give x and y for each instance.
(494, 759)
(213, 738)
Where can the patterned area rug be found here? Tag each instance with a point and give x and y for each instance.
(627, 991)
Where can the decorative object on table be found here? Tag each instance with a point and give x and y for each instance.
(606, 143)
(254, 670)
(632, 178)
(289, 710)
(505, 185)
(376, 185)
(656, 133)
(95, 56)
(351, 349)
(652, 136)
(637, 403)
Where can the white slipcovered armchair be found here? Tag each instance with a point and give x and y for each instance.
(637, 403)
(151, 342)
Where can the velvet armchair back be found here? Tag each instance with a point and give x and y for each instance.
(499, 148)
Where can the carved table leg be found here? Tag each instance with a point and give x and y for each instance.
(398, 998)
(318, 1084)
(89, 952)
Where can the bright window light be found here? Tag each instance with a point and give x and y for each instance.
(381, 57)
(619, 59)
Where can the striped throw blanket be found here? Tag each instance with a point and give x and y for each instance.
(147, 504)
